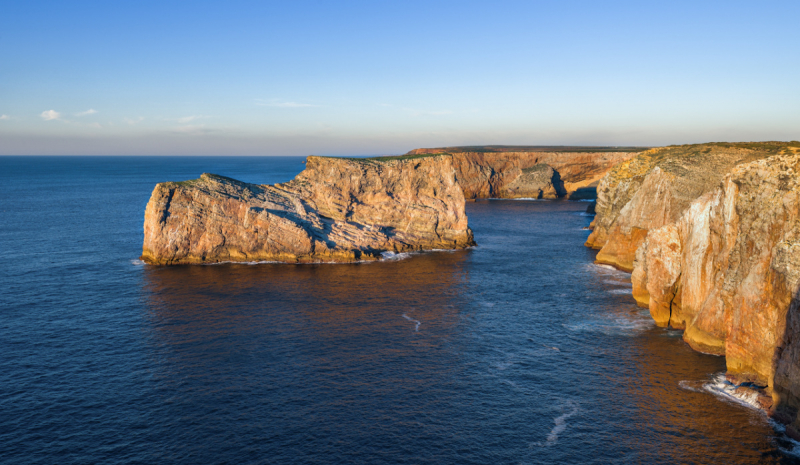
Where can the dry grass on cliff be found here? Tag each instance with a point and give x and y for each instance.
(525, 148)
(699, 160)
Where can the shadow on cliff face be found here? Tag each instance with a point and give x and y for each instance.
(786, 365)
(558, 184)
(584, 193)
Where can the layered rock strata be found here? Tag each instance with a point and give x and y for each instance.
(544, 172)
(655, 188)
(339, 210)
(728, 272)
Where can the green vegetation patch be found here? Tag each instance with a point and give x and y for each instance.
(534, 148)
(390, 158)
(539, 167)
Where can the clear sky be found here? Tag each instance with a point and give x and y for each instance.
(379, 77)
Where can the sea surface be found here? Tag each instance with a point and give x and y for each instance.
(519, 350)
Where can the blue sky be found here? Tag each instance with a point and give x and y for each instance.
(303, 77)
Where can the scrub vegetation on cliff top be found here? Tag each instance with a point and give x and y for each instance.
(383, 159)
(526, 148)
(682, 159)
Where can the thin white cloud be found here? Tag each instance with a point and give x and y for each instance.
(282, 104)
(133, 121)
(2, 117)
(188, 119)
(88, 112)
(50, 115)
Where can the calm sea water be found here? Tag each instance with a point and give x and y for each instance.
(517, 351)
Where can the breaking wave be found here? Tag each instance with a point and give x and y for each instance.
(394, 256)
(721, 387)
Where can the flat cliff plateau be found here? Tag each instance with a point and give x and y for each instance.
(336, 210)
(531, 172)
(655, 188)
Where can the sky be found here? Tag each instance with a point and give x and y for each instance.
(378, 77)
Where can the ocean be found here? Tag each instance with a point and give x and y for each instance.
(519, 350)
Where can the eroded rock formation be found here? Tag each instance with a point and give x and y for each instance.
(655, 188)
(337, 209)
(724, 265)
(728, 272)
(535, 172)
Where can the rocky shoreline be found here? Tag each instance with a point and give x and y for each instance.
(351, 209)
(710, 234)
(336, 210)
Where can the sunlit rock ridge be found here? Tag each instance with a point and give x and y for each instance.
(712, 235)
(336, 210)
(349, 209)
(542, 172)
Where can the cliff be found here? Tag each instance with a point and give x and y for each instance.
(531, 172)
(655, 188)
(337, 209)
(728, 272)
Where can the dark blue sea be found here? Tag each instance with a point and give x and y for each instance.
(518, 351)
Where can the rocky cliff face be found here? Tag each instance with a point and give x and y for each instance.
(538, 174)
(728, 272)
(655, 188)
(335, 210)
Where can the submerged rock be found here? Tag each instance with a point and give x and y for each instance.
(339, 210)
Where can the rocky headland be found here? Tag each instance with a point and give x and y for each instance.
(711, 233)
(344, 210)
(512, 172)
(655, 188)
(336, 210)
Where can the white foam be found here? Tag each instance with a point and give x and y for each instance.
(560, 425)
(260, 262)
(692, 386)
(613, 326)
(394, 256)
(721, 387)
(794, 452)
(416, 328)
(606, 267)
(620, 291)
(137, 262)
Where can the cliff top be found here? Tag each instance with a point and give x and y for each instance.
(695, 160)
(382, 159)
(524, 148)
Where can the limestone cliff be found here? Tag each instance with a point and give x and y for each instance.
(655, 188)
(728, 271)
(335, 210)
(537, 172)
